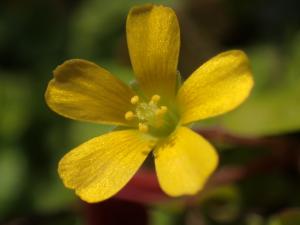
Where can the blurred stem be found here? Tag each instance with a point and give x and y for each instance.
(272, 143)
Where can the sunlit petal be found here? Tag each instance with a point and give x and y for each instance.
(100, 167)
(82, 90)
(218, 86)
(184, 162)
(153, 39)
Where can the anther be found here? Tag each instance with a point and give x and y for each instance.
(143, 127)
(134, 100)
(155, 99)
(129, 115)
(162, 110)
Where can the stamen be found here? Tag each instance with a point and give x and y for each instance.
(162, 110)
(129, 115)
(149, 117)
(134, 100)
(143, 127)
(155, 99)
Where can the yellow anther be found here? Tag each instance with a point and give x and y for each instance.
(143, 127)
(129, 115)
(155, 99)
(134, 100)
(162, 110)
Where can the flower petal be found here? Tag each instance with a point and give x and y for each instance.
(100, 167)
(82, 90)
(184, 162)
(153, 39)
(218, 86)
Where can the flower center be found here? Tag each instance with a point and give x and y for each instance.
(151, 116)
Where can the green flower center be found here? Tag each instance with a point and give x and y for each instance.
(151, 117)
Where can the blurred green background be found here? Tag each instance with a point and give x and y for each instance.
(36, 36)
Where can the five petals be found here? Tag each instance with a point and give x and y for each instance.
(82, 90)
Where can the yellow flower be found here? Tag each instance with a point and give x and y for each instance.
(153, 114)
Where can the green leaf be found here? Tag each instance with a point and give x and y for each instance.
(16, 105)
(51, 195)
(13, 170)
(272, 113)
